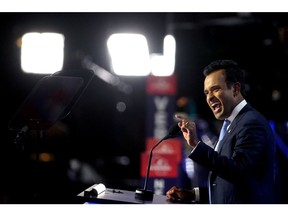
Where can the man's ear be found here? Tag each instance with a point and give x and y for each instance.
(236, 88)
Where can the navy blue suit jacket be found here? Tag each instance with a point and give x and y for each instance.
(243, 170)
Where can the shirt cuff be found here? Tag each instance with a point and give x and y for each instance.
(195, 146)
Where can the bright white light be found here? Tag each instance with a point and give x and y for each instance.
(129, 54)
(169, 52)
(42, 52)
(159, 66)
(164, 65)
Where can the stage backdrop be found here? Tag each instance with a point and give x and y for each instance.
(165, 169)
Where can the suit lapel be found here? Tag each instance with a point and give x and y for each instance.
(233, 125)
(225, 137)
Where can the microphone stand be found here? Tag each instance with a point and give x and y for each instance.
(144, 194)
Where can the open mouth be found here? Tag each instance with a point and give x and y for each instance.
(216, 107)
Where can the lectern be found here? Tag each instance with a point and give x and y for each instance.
(117, 196)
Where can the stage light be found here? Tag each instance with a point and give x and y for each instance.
(42, 53)
(164, 65)
(159, 65)
(169, 53)
(129, 54)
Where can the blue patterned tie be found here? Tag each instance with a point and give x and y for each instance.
(222, 133)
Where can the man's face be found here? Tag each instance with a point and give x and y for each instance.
(219, 97)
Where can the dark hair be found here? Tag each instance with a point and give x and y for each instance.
(232, 70)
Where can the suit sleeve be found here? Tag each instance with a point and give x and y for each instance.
(244, 154)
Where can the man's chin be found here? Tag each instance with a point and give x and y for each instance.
(218, 116)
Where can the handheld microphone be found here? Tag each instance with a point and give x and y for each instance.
(144, 194)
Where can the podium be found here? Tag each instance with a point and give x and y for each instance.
(118, 196)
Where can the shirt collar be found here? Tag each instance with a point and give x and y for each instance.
(236, 110)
